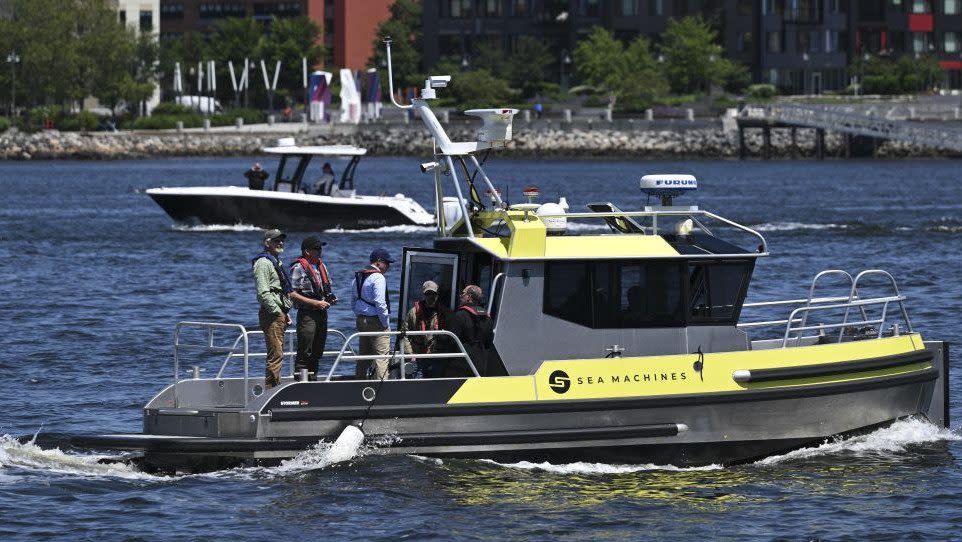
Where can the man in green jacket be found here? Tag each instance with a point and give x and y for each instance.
(273, 290)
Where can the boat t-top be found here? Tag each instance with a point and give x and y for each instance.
(627, 342)
(293, 200)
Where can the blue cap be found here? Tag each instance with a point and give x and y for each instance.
(379, 254)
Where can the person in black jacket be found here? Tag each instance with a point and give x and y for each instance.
(472, 325)
(256, 177)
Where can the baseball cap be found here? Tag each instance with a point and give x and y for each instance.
(429, 286)
(270, 235)
(312, 242)
(382, 255)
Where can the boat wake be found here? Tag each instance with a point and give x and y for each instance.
(596, 468)
(894, 439)
(28, 457)
(214, 228)
(406, 228)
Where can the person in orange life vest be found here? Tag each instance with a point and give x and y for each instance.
(372, 309)
(312, 296)
(426, 315)
(472, 325)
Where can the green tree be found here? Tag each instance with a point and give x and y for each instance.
(693, 58)
(188, 50)
(404, 28)
(235, 39)
(291, 40)
(526, 66)
(905, 74)
(479, 88)
(629, 75)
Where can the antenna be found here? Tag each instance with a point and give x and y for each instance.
(390, 75)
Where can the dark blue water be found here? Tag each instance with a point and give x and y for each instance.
(93, 277)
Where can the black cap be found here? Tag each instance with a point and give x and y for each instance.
(312, 242)
(379, 254)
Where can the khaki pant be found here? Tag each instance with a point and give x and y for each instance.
(273, 328)
(375, 344)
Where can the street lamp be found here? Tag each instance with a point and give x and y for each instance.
(805, 73)
(13, 59)
(565, 67)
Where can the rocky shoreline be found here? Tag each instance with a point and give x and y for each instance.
(572, 141)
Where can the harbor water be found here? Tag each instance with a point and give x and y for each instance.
(94, 277)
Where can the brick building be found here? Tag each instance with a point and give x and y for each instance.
(348, 26)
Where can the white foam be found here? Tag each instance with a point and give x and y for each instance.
(596, 468)
(215, 227)
(406, 228)
(795, 226)
(28, 456)
(889, 440)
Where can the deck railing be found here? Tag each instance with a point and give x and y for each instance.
(797, 322)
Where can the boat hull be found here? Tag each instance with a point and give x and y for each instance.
(287, 213)
(414, 417)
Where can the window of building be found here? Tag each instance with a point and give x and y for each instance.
(871, 10)
(803, 41)
(831, 41)
(745, 42)
(656, 7)
(950, 7)
(774, 42)
(922, 42)
(491, 8)
(280, 9)
(146, 21)
(921, 6)
(773, 7)
(172, 11)
(716, 291)
(123, 16)
(744, 7)
(589, 8)
(834, 6)
(950, 42)
(459, 8)
(628, 7)
(520, 8)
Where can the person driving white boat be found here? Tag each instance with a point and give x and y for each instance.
(325, 183)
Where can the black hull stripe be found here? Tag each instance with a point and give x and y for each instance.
(536, 407)
(843, 367)
(224, 445)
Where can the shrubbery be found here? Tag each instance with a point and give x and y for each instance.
(82, 121)
(761, 92)
(4, 124)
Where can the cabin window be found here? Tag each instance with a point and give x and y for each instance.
(606, 295)
(716, 291)
(566, 291)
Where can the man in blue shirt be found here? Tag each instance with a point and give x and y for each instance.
(372, 309)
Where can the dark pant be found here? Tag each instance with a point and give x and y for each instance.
(311, 338)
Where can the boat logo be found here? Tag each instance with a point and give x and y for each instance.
(559, 381)
(294, 403)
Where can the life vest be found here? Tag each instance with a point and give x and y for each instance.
(423, 316)
(363, 275)
(320, 285)
(282, 275)
(478, 315)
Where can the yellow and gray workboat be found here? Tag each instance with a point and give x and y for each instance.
(623, 341)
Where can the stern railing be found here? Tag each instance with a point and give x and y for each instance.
(797, 322)
(239, 349)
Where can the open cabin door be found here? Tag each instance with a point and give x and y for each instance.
(422, 264)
